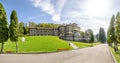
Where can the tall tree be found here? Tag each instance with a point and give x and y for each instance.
(4, 31)
(21, 29)
(26, 31)
(92, 37)
(117, 31)
(111, 31)
(14, 32)
(82, 36)
(86, 36)
(97, 37)
(102, 37)
(89, 34)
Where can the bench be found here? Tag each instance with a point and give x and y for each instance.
(9, 51)
(62, 49)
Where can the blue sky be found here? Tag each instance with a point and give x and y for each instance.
(88, 14)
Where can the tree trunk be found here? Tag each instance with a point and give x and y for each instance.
(16, 46)
(115, 47)
(2, 47)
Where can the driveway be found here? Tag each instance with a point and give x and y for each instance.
(96, 54)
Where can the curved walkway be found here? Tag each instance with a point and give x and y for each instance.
(97, 54)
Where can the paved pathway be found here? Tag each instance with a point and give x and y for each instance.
(97, 54)
(72, 45)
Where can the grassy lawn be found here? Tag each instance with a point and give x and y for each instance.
(37, 44)
(83, 44)
(116, 55)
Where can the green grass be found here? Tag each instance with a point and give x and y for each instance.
(37, 44)
(83, 44)
(116, 55)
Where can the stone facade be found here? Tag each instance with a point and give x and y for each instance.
(63, 30)
(38, 31)
(67, 32)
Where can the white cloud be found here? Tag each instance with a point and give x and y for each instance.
(56, 18)
(45, 5)
(86, 21)
(97, 7)
(59, 6)
(91, 14)
(48, 7)
(94, 14)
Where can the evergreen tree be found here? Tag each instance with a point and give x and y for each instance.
(117, 31)
(21, 29)
(26, 29)
(102, 37)
(97, 37)
(4, 31)
(92, 38)
(111, 31)
(14, 32)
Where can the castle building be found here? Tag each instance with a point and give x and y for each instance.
(39, 31)
(67, 32)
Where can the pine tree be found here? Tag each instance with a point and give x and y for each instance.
(14, 32)
(4, 31)
(21, 29)
(26, 31)
(92, 38)
(117, 31)
(102, 37)
(97, 37)
(111, 31)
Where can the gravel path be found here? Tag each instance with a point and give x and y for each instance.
(97, 54)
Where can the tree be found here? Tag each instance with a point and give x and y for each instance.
(111, 32)
(89, 34)
(82, 36)
(21, 29)
(92, 37)
(32, 24)
(117, 31)
(14, 32)
(102, 37)
(4, 31)
(97, 37)
(25, 29)
(86, 36)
